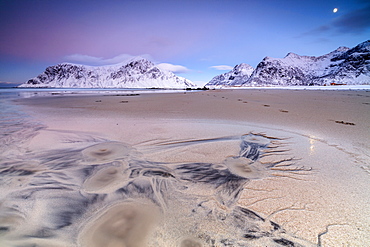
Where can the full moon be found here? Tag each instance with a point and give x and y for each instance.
(335, 10)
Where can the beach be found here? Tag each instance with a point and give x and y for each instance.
(246, 167)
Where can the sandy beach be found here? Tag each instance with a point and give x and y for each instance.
(253, 167)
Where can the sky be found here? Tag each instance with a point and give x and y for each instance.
(196, 39)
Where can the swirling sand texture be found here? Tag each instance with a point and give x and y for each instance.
(107, 195)
(188, 168)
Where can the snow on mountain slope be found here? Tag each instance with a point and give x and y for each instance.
(293, 69)
(342, 66)
(350, 67)
(235, 77)
(138, 73)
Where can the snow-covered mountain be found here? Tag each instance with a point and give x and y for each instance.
(137, 73)
(342, 66)
(235, 77)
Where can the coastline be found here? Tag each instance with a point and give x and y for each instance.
(312, 113)
(324, 132)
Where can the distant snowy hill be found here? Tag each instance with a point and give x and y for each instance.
(235, 77)
(138, 73)
(342, 66)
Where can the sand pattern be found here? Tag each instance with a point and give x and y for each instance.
(98, 177)
(15, 127)
(106, 194)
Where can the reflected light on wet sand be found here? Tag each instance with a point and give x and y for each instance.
(312, 140)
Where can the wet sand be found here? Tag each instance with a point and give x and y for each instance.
(210, 168)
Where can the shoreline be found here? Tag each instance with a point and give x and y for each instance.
(313, 113)
(207, 126)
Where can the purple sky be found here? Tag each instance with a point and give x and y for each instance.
(196, 35)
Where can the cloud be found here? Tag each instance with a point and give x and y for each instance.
(97, 61)
(8, 84)
(85, 59)
(318, 30)
(354, 22)
(123, 58)
(177, 69)
(222, 67)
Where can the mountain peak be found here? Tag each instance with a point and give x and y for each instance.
(237, 76)
(242, 66)
(137, 73)
(137, 59)
(341, 49)
(364, 45)
(341, 66)
(142, 64)
(292, 55)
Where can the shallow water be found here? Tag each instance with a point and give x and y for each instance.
(99, 192)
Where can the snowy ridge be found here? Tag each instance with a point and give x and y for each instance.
(344, 66)
(235, 77)
(137, 73)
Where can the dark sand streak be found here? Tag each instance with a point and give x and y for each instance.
(66, 187)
